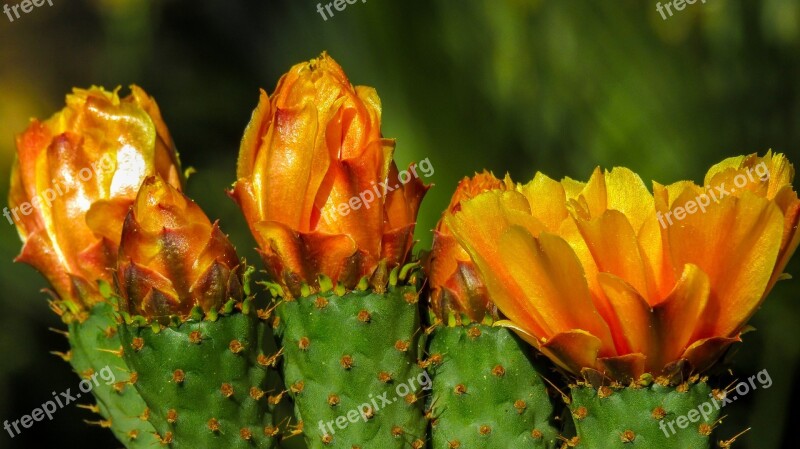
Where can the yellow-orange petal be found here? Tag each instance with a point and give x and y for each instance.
(614, 248)
(628, 194)
(547, 200)
(702, 354)
(740, 243)
(259, 123)
(573, 350)
(786, 199)
(682, 314)
(402, 204)
(549, 273)
(291, 166)
(633, 322)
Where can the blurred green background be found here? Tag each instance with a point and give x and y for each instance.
(509, 85)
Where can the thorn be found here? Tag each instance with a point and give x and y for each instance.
(55, 307)
(430, 414)
(59, 331)
(104, 423)
(725, 444)
(117, 353)
(284, 422)
(294, 430)
(65, 356)
(728, 389)
(429, 330)
(270, 361)
(91, 407)
(264, 314)
(564, 397)
(276, 399)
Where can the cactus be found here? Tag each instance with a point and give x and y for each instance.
(191, 332)
(207, 381)
(653, 416)
(95, 345)
(487, 392)
(332, 239)
(351, 367)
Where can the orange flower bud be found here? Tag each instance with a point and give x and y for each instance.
(74, 178)
(456, 285)
(171, 257)
(317, 183)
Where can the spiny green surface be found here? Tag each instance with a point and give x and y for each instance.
(197, 379)
(96, 345)
(487, 393)
(641, 417)
(338, 352)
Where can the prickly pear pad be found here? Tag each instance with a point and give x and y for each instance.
(207, 382)
(487, 393)
(96, 345)
(651, 417)
(350, 363)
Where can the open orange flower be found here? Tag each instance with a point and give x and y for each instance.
(456, 286)
(75, 176)
(317, 183)
(172, 258)
(605, 276)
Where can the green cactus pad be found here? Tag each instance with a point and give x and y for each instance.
(207, 383)
(96, 345)
(644, 417)
(487, 393)
(350, 363)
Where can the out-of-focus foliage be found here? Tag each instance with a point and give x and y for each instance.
(517, 85)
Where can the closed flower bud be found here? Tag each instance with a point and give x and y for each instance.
(317, 183)
(75, 176)
(172, 258)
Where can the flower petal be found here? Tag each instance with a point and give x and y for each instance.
(683, 313)
(740, 243)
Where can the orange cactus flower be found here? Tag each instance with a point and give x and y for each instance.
(172, 258)
(317, 183)
(74, 178)
(456, 285)
(606, 276)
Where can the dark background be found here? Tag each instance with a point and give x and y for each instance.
(557, 86)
